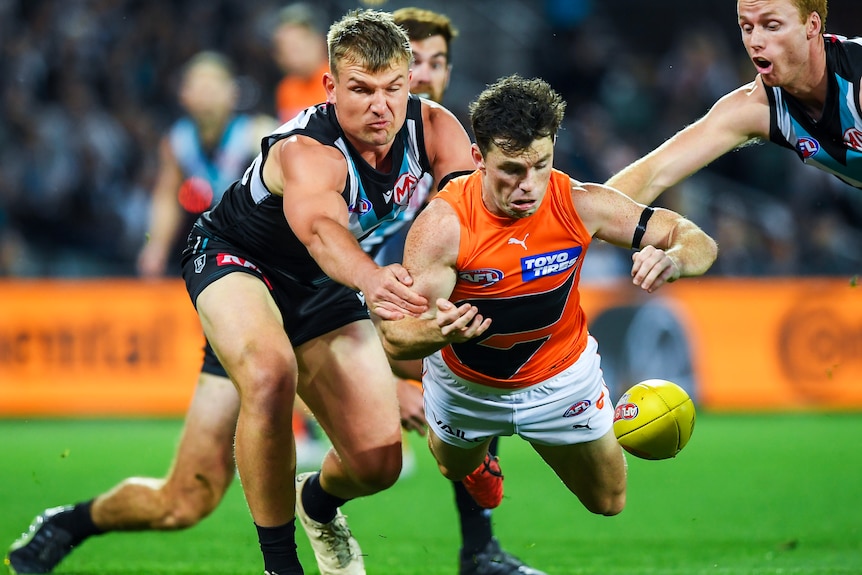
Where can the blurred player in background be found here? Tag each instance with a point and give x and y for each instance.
(299, 50)
(199, 157)
(513, 355)
(806, 97)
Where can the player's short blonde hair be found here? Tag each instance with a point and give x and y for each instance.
(806, 7)
(370, 38)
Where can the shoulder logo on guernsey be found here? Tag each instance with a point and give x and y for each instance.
(484, 277)
(853, 139)
(551, 263)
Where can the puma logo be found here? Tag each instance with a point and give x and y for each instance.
(522, 243)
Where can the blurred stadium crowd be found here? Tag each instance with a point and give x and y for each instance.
(89, 86)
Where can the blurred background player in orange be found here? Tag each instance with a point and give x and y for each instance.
(299, 50)
(202, 153)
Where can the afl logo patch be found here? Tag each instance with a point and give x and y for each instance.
(807, 147)
(362, 207)
(483, 277)
(578, 408)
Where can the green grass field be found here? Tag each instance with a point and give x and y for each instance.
(751, 494)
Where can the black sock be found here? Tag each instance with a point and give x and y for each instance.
(492, 447)
(319, 505)
(78, 522)
(476, 529)
(278, 545)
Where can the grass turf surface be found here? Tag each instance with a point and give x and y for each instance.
(751, 494)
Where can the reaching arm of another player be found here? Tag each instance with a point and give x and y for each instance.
(311, 177)
(739, 117)
(165, 215)
(430, 255)
(674, 247)
(446, 142)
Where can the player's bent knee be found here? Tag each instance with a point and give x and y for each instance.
(607, 506)
(379, 473)
(453, 474)
(186, 507)
(185, 513)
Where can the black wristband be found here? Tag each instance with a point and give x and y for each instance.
(641, 229)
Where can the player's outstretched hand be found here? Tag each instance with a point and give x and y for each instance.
(388, 293)
(652, 268)
(460, 323)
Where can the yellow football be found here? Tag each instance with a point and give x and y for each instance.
(654, 419)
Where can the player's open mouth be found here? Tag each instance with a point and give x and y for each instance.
(763, 65)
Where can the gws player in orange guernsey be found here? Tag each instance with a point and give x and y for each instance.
(498, 255)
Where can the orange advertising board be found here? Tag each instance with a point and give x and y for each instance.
(737, 344)
(774, 344)
(129, 347)
(97, 347)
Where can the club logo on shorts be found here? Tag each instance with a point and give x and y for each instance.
(807, 147)
(578, 408)
(549, 264)
(200, 262)
(223, 259)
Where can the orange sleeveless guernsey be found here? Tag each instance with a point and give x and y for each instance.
(523, 274)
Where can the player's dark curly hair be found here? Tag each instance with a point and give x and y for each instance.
(513, 112)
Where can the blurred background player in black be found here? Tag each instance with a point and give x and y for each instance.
(202, 154)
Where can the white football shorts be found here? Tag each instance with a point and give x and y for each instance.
(572, 407)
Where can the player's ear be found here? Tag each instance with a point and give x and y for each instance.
(477, 157)
(329, 86)
(814, 25)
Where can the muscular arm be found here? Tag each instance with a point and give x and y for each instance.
(165, 214)
(739, 117)
(310, 176)
(430, 255)
(446, 143)
(674, 247)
